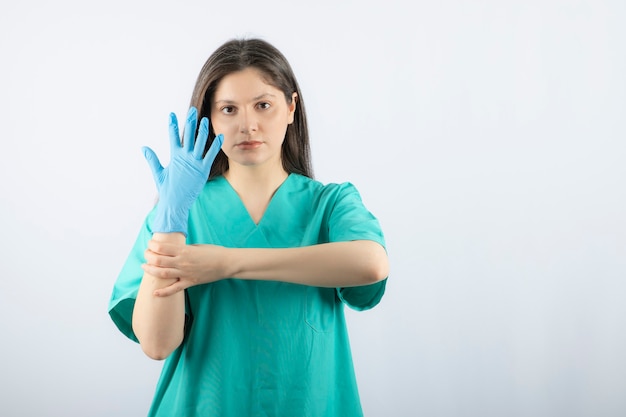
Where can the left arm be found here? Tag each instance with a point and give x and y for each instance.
(337, 264)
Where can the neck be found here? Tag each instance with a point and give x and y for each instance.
(255, 180)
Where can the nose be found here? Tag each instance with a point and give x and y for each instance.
(248, 123)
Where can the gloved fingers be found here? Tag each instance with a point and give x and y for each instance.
(213, 150)
(203, 134)
(154, 163)
(189, 134)
(174, 134)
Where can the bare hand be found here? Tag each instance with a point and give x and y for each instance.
(189, 265)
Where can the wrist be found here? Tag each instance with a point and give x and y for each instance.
(231, 264)
(169, 237)
(168, 220)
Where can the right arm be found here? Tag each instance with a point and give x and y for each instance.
(159, 322)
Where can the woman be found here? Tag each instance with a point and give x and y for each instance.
(239, 281)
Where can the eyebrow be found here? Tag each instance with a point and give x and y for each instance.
(259, 97)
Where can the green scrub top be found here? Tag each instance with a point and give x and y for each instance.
(261, 348)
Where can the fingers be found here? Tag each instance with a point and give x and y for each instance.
(166, 274)
(153, 162)
(190, 129)
(164, 248)
(203, 134)
(174, 133)
(171, 289)
(190, 142)
(160, 266)
(214, 150)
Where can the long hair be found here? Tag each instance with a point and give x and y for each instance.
(239, 54)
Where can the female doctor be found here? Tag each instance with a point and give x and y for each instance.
(239, 282)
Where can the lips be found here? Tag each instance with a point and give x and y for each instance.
(252, 144)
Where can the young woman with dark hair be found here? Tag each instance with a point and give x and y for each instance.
(240, 272)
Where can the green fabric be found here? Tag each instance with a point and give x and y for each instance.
(261, 348)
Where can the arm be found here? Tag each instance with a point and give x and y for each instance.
(338, 264)
(159, 322)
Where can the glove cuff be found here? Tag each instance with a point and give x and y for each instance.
(168, 220)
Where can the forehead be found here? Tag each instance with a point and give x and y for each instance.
(249, 82)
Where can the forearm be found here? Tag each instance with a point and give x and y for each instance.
(158, 322)
(339, 264)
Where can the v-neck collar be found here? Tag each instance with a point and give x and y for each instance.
(241, 207)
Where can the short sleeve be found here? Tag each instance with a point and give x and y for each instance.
(350, 220)
(126, 286)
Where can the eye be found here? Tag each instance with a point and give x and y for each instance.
(227, 110)
(264, 105)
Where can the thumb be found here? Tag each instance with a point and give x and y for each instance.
(153, 162)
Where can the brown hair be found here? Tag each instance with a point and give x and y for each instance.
(239, 54)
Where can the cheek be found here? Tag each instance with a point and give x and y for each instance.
(226, 129)
(220, 125)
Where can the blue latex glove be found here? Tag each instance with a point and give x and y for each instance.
(181, 182)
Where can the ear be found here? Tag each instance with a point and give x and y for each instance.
(292, 107)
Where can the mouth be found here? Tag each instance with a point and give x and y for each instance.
(248, 144)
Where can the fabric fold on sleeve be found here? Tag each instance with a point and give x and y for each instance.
(126, 286)
(350, 220)
(364, 297)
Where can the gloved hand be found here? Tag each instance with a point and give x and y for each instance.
(181, 182)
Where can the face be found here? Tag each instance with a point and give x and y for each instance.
(253, 117)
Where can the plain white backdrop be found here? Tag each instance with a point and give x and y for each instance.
(489, 137)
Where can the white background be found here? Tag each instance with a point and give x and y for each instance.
(487, 136)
